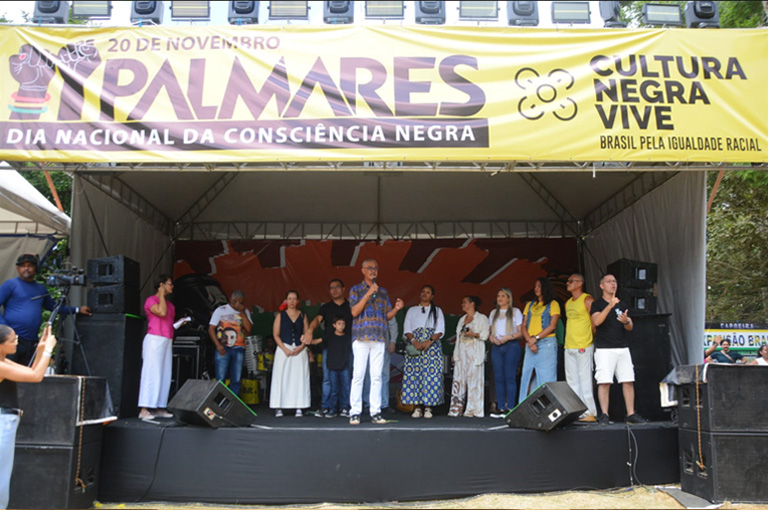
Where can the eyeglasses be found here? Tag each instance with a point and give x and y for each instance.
(573, 280)
(373, 268)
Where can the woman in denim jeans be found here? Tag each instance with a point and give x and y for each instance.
(506, 351)
(539, 324)
(11, 373)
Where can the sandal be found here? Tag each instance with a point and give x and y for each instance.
(427, 413)
(416, 413)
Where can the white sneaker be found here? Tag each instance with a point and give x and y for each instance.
(299, 414)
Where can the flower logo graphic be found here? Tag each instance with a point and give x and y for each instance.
(545, 94)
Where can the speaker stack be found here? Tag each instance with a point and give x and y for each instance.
(550, 405)
(723, 434)
(112, 336)
(54, 465)
(637, 283)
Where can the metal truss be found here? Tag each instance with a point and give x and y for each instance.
(376, 165)
(374, 231)
(559, 209)
(114, 187)
(199, 205)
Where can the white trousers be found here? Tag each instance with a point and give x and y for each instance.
(157, 354)
(366, 352)
(578, 375)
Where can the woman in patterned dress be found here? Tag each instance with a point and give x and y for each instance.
(469, 359)
(423, 372)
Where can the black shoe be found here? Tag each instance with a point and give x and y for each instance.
(354, 419)
(636, 419)
(603, 419)
(344, 413)
(378, 419)
(321, 413)
(330, 414)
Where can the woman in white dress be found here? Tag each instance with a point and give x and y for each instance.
(469, 361)
(290, 372)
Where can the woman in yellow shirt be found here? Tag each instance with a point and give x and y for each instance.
(539, 324)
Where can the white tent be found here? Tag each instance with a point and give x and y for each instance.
(29, 223)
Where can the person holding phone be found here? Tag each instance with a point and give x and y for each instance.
(10, 414)
(610, 315)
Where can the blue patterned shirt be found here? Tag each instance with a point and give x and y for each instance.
(371, 324)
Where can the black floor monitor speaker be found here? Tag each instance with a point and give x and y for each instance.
(735, 466)
(210, 403)
(550, 405)
(113, 270)
(112, 345)
(732, 399)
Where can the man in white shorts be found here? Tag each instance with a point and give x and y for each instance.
(612, 356)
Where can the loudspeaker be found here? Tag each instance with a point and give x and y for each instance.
(634, 274)
(735, 467)
(52, 410)
(114, 299)
(550, 405)
(44, 476)
(640, 301)
(211, 403)
(651, 347)
(112, 345)
(731, 399)
(113, 270)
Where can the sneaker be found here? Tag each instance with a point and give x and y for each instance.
(279, 413)
(321, 413)
(603, 419)
(496, 415)
(299, 414)
(354, 419)
(427, 413)
(330, 414)
(636, 419)
(344, 413)
(416, 413)
(378, 419)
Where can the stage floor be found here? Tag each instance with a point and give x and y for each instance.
(310, 460)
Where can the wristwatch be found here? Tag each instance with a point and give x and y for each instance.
(536, 337)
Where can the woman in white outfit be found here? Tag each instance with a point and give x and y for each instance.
(467, 392)
(762, 356)
(157, 352)
(290, 372)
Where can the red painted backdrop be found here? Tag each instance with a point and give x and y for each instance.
(266, 270)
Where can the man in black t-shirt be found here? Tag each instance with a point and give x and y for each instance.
(337, 306)
(612, 357)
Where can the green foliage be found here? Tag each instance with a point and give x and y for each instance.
(742, 14)
(61, 180)
(56, 262)
(737, 248)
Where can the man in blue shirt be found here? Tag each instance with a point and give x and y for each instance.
(371, 310)
(23, 300)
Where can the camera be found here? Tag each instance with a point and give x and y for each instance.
(71, 277)
(465, 329)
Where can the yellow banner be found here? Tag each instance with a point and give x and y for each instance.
(298, 93)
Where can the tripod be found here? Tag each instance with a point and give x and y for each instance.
(63, 301)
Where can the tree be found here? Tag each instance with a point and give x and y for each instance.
(62, 181)
(743, 14)
(737, 248)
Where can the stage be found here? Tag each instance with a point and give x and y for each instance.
(311, 460)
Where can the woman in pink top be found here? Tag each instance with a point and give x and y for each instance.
(157, 352)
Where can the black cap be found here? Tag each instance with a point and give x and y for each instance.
(27, 257)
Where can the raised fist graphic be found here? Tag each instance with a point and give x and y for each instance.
(33, 70)
(81, 58)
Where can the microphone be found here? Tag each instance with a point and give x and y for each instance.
(373, 296)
